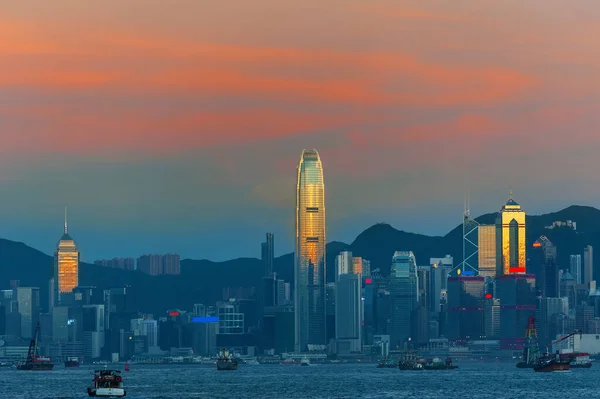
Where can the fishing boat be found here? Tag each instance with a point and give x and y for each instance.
(225, 361)
(107, 384)
(34, 360)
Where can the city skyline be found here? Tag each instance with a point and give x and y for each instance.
(154, 158)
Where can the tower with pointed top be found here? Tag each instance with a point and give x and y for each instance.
(510, 238)
(310, 256)
(66, 263)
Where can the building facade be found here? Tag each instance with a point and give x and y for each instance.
(66, 264)
(510, 239)
(310, 256)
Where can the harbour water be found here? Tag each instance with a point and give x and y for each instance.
(470, 381)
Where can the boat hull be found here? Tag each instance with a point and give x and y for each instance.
(107, 392)
(226, 365)
(581, 365)
(552, 366)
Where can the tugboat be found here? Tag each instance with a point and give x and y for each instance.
(549, 363)
(72, 362)
(556, 362)
(34, 360)
(437, 364)
(531, 350)
(225, 361)
(107, 384)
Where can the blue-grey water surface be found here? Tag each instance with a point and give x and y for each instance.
(471, 380)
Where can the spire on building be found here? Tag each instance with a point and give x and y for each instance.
(66, 225)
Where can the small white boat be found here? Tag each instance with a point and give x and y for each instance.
(107, 384)
(304, 362)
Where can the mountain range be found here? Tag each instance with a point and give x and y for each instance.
(202, 281)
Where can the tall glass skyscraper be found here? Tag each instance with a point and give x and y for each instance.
(510, 239)
(404, 283)
(309, 262)
(66, 264)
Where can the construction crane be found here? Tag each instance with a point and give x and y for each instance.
(563, 338)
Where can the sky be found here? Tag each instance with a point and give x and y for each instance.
(177, 126)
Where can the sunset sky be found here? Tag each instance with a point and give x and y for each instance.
(176, 126)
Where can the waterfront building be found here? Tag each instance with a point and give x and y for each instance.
(310, 256)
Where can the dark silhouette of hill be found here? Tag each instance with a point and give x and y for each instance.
(202, 281)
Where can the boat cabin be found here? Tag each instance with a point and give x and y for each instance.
(107, 379)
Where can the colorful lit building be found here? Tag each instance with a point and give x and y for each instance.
(510, 239)
(309, 262)
(66, 263)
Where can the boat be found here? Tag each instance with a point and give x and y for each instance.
(225, 361)
(252, 362)
(580, 360)
(438, 364)
(34, 361)
(409, 360)
(531, 349)
(107, 384)
(548, 363)
(126, 366)
(72, 362)
(304, 362)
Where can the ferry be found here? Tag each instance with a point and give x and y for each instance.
(107, 384)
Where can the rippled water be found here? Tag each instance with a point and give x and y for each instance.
(471, 380)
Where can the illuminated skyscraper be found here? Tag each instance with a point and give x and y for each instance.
(510, 239)
(66, 263)
(487, 250)
(309, 262)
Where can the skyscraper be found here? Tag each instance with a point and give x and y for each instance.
(575, 267)
(588, 264)
(348, 313)
(543, 265)
(343, 264)
(66, 263)
(510, 239)
(404, 291)
(268, 253)
(309, 262)
(486, 244)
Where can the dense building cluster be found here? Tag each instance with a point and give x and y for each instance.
(477, 307)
